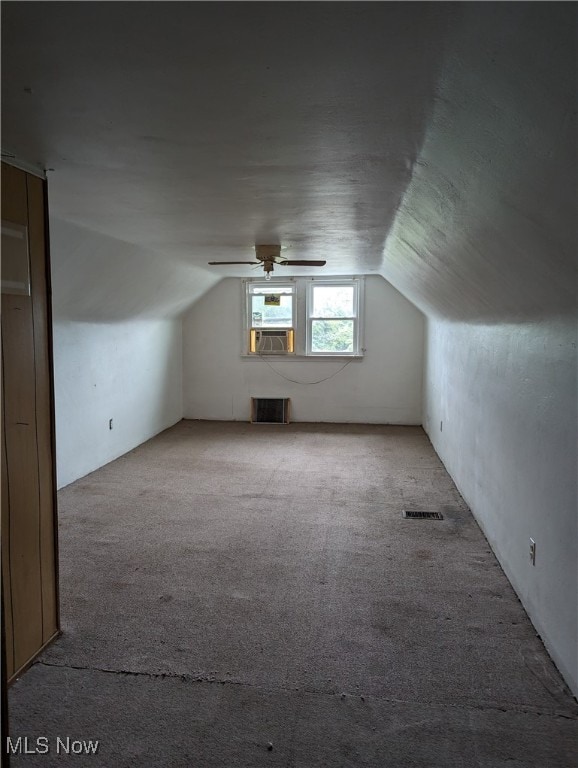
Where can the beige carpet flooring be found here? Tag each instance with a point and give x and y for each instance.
(241, 595)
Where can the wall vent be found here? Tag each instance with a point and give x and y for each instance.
(270, 410)
(413, 514)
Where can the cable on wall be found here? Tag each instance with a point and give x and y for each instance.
(306, 383)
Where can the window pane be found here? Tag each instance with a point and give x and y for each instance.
(333, 301)
(332, 336)
(270, 316)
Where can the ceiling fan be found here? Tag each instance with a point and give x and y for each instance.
(269, 255)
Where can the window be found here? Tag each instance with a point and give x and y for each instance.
(318, 317)
(270, 305)
(332, 318)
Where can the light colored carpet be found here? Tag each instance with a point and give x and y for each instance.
(226, 585)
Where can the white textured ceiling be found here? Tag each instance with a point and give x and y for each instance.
(425, 142)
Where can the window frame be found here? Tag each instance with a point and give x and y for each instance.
(273, 287)
(302, 307)
(310, 317)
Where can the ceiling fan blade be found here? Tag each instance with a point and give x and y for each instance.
(213, 263)
(303, 263)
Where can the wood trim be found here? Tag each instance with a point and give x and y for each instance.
(4, 756)
(44, 423)
(48, 276)
(27, 664)
(7, 622)
(22, 165)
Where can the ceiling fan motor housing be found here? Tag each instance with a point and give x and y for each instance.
(268, 254)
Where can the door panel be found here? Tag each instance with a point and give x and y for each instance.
(29, 564)
(22, 469)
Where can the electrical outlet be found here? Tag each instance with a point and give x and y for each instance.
(532, 551)
(110, 423)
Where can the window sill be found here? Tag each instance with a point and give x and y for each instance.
(304, 358)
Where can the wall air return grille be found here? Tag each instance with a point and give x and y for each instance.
(270, 410)
(412, 514)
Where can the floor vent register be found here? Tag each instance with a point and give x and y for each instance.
(413, 514)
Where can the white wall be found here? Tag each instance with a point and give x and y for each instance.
(129, 372)
(385, 387)
(97, 278)
(507, 397)
(117, 349)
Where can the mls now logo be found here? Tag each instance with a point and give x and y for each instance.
(67, 746)
(23, 745)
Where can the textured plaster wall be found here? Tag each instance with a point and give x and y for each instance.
(113, 358)
(385, 387)
(129, 372)
(97, 278)
(506, 395)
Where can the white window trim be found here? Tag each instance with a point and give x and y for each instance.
(271, 288)
(356, 282)
(248, 318)
(301, 320)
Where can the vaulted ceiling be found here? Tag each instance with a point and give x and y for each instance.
(433, 144)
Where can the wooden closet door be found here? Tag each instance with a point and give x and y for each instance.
(28, 498)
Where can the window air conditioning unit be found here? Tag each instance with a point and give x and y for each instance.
(271, 341)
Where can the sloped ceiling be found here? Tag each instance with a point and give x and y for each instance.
(487, 227)
(432, 144)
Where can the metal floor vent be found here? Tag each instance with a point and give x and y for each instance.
(413, 514)
(270, 410)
